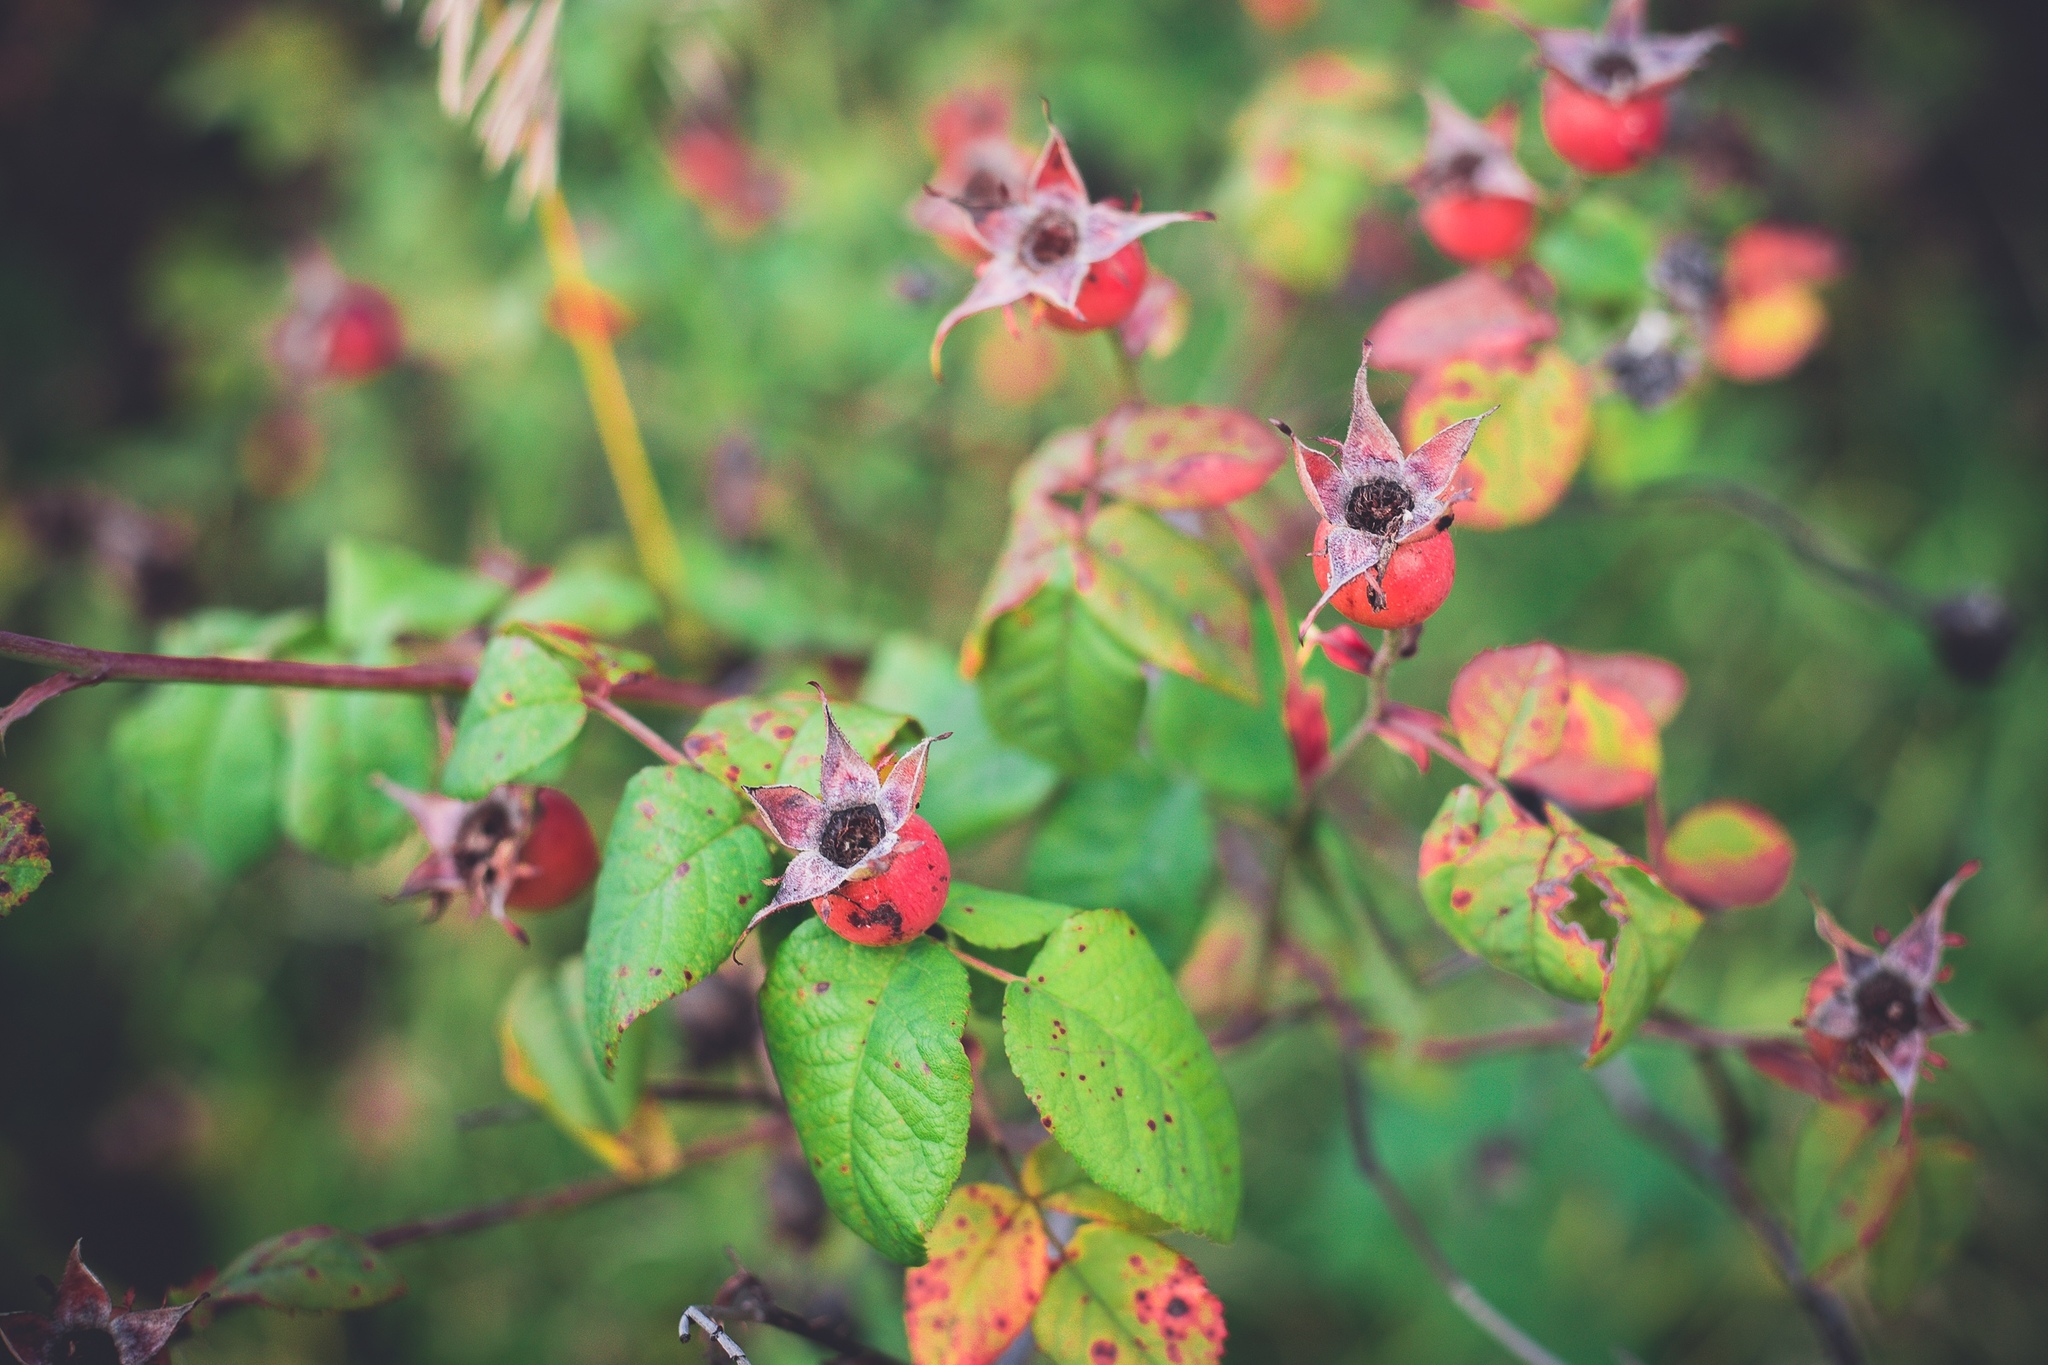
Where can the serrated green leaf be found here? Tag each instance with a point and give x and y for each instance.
(1053, 1178)
(334, 741)
(1120, 1297)
(605, 603)
(1136, 841)
(524, 708)
(24, 851)
(866, 1045)
(203, 764)
(376, 593)
(682, 875)
(974, 784)
(758, 741)
(309, 1270)
(1849, 1171)
(1169, 600)
(1060, 687)
(999, 919)
(1122, 1075)
(548, 1042)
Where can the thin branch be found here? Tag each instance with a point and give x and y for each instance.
(99, 665)
(638, 729)
(491, 1115)
(744, 1297)
(685, 1090)
(1632, 1104)
(1469, 1301)
(1447, 751)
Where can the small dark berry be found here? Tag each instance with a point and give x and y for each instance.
(1974, 633)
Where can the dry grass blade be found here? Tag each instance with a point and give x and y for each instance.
(511, 74)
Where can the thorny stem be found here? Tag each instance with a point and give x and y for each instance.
(1468, 1300)
(1632, 1104)
(574, 1195)
(638, 729)
(618, 430)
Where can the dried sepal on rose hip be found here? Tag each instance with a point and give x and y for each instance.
(1477, 204)
(1604, 103)
(980, 166)
(1375, 502)
(1051, 243)
(1869, 1015)
(83, 1325)
(519, 848)
(876, 871)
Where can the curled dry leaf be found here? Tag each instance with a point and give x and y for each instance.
(1727, 855)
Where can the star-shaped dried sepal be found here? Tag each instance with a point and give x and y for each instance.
(473, 850)
(1465, 155)
(852, 831)
(83, 1325)
(980, 167)
(1041, 244)
(1885, 1004)
(1624, 60)
(1374, 498)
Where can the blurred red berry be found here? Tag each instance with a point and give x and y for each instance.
(559, 858)
(1108, 294)
(901, 901)
(1604, 102)
(1417, 580)
(363, 336)
(519, 848)
(1597, 135)
(1475, 229)
(1478, 205)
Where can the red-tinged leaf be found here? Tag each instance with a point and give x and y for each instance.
(1765, 255)
(1403, 729)
(1185, 457)
(1508, 706)
(1527, 451)
(581, 311)
(1609, 754)
(985, 1277)
(1727, 855)
(1848, 1171)
(1345, 647)
(1042, 535)
(1159, 322)
(1168, 599)
(1793, 1065)
(316, 1269)
(1657, 683)
(1765, 336)
(1123, 1299)
(1473, 316)
(24, 851)
(1308, 728)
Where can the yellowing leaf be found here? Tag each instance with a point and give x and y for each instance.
(1123, 1299)
(1765, 336)
(1727, 855)
(985, 1276)
(1186, 456)
(1507, 706)
(1053, 1178)
(1609, 754)
(1526, 453)
(547, 1057)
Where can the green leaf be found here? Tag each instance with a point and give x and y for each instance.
(1656, 930)
(1135, 840)
(759, 741)
(682, 875)
(1169, 600)
(1122, 1075)
(1120, 1297)
(606, 604)
(1527, 451)
(550, 1059)
(866, 1045)
(376, 593)
(1931, 1216)
(334, 742)
(1052, 1177)
(203, 764)
(974, 784)
(1058, 685)
(1237, 752)
(1849, 1171)
(999, 919)
(1632, 448)
(24, 851)
(310, 1270)
(524, 708)
(1599, 251)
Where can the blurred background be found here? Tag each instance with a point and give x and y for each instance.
(195, 1052)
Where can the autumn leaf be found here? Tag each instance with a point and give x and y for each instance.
(985, 1276)
(1507, 706)
(1473, 316)
(1528, 450)
(1120, 1298)
(1727, 855)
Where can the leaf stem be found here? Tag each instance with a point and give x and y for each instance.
(985, 968)
(638, 729)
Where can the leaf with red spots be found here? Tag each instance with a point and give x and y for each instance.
(1053, 1178)
(1609, 753)
(683, 874)
(766, 741)
(24, 851)
(1122, 1075)
(1168, 599)
(1727, 855)
(311, 1270)
(1849, 1170)
(1527, 451)
(1507, 706)
(1179, 458)
(866, 1044)
(549, 1058)
(523, 710)
(1473, 316)
(1122, 1299)
(987, 1271)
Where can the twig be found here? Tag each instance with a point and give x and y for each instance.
(1469, 1301)
(638, 729)
(1738, 1129)
(686, 1090)
(1632, 1104)
(1802, 540)
(746, 1298)
(1447, 751)
(99, 665)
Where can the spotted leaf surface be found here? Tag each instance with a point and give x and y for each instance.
(1123, 1299)
(1122, 1075)
(24, 851)
(683, 873)
(985, 1276)
(1186, 457)
(866, 1044)
(765, 741)
(1473, 316)
(1608, 753)
(523, 709)
(1059, 686)
(1526, 453)
(1508, 706)
(315, 1269)
(1849, 1171)
(1726, 855)
(1168, 599)
(999, 919)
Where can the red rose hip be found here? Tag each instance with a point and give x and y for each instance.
(1417, 580)
(1108, 294)
(1598, 135)
(559, 859)
(1475, 229)
(901, 901)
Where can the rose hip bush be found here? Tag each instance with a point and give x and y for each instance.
(1393, 772)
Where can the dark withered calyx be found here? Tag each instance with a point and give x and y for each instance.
(1378, 506)
(851, 834)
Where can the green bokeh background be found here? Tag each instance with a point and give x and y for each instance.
(307, 1047)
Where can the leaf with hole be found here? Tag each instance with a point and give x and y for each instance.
(523, 710)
